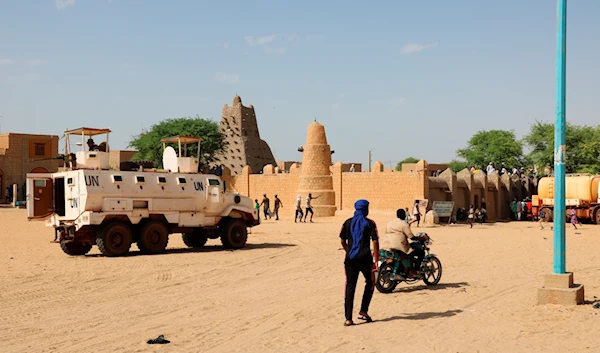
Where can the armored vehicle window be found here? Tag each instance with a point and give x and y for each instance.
(70, 181)
(140, 179)
(162, 180)
(213, 182)
(117, 178)
(181, 180)
(92, 156)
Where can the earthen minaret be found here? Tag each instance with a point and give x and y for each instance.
(315, 174)
(244, 146)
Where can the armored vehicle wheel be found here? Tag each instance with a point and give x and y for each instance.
(114, 238)
(153, 237)
(234, 234)
(196, 239)
(73, 248)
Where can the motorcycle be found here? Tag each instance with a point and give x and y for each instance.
(390, 269)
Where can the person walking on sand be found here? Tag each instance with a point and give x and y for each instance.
(543, 219)
(574, 220)
(416, 214)
(266, 206)
(519, 207)
(276, 207)
(471, 216)
(298, 209)
(356, 234)
(309, 198)
(257, 208)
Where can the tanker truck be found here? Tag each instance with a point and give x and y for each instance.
(581, 194)
(89, 204)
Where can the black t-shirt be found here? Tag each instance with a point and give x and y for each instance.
(370, 233)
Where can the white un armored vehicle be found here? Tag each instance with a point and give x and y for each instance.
(89, 204)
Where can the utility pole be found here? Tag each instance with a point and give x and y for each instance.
(369, 161)
(560, 141)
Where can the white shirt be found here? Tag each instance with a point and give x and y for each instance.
(308, 198)
(416, 210)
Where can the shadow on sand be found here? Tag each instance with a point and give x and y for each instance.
(423, 287)
(421, 316)
(205, 249)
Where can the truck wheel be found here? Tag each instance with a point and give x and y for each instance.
(196, 239)
(548, 213)
(597, 216)
(153, 237)
(114, 238)
(73, 248)
(234, 234)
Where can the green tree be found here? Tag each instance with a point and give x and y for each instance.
(582, 147)
(456, 165)
(497, 146)
(149, 147)
(406, 160)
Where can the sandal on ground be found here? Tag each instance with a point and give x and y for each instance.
(159, 340)
(349, 324)
(366, 317)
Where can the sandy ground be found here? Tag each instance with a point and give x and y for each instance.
(284, 293)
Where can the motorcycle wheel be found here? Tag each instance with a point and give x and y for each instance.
(383, 283)
(432, 271)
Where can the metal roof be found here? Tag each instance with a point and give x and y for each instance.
(183, 139)
(87, 131)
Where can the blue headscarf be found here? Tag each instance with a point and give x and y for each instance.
(358, 225)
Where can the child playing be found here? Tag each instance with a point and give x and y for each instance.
(574, 220)
(471, 215)
(257, 208)
(543, 219)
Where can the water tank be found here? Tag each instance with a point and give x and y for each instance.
(581, 187)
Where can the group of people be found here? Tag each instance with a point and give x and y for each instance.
(572, 213)
(356, 236)
(266, 204)
(490, 168)
(519, 209)
(300, 214)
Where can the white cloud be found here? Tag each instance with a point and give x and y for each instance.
(335, 106)
(396, 102)
(275, 50)
(61, 4)
(414, 48)
(7, 61)
(227, 78)
(260, 40)
(126, 66)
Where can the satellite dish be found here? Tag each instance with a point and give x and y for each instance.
(170, 159)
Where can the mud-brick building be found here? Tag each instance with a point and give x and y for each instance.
(244, 145)
(24, 153)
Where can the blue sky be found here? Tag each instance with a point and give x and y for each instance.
(402, 78)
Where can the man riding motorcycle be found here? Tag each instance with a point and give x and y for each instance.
(396, 239)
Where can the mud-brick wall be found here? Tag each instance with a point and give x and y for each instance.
(256, 185)
(384, 190)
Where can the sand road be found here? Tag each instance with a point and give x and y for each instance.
(284, 293)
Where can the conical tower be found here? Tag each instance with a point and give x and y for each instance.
(315, 173)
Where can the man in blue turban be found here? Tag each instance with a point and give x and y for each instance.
(356, 235)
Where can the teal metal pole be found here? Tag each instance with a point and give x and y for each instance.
(560, 126)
